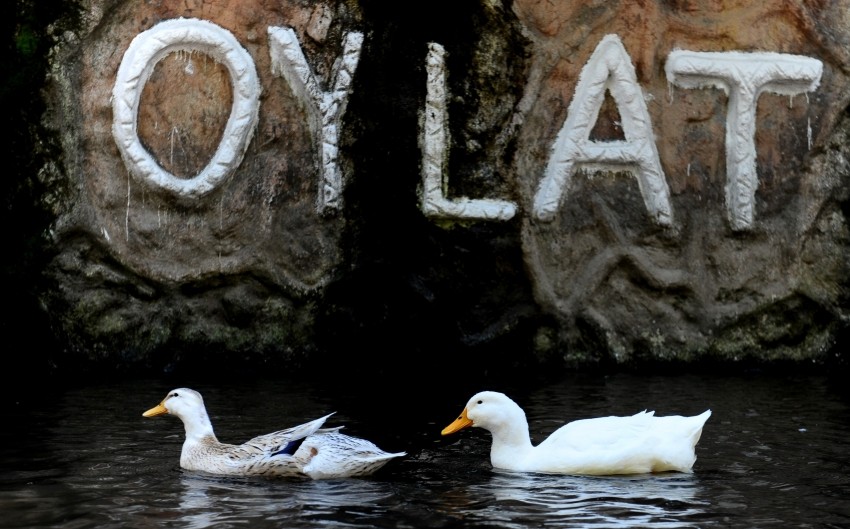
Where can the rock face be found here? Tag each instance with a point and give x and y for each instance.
(525, 183)
(732, 261)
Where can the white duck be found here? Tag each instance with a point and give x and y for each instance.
(304, 450)
(637, 444)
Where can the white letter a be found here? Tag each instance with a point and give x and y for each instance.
(609, 68)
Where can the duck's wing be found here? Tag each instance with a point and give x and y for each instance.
(689, 428)
(336, 455)
(598, 433)
(286, 441)
(623, 445)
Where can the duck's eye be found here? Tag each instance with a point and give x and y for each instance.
(480, 402)
(175, 394)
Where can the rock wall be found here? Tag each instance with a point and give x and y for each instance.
(511, 184)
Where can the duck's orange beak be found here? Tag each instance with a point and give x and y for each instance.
(159, 409)
(460, 423)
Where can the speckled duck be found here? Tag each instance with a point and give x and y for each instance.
(306, 450)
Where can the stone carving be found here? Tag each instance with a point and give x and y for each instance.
(609, 68)
(144, 52)
(324, 108)
(676, 249)
(434, 142)
(743, 77)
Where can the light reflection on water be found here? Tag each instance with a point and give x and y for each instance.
(510, 500)
(517, 500)
(773, 454)
(209, 501)
(646, 501)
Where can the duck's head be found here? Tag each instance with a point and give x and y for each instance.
(490, 410)
(181, 402)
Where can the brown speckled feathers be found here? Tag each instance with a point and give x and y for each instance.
(306, 450)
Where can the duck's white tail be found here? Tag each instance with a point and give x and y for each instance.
(699, 422)
(678, 436)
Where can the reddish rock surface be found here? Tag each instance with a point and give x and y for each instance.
(253, 269)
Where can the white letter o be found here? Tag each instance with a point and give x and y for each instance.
(145, 51)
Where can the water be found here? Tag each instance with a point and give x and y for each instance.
(773, 454)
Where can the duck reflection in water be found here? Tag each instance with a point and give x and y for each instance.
(210, 501)
(668, 500)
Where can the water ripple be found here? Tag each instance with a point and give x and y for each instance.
(518, 499)
(773, 454)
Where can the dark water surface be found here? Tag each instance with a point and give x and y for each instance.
(775, 453)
